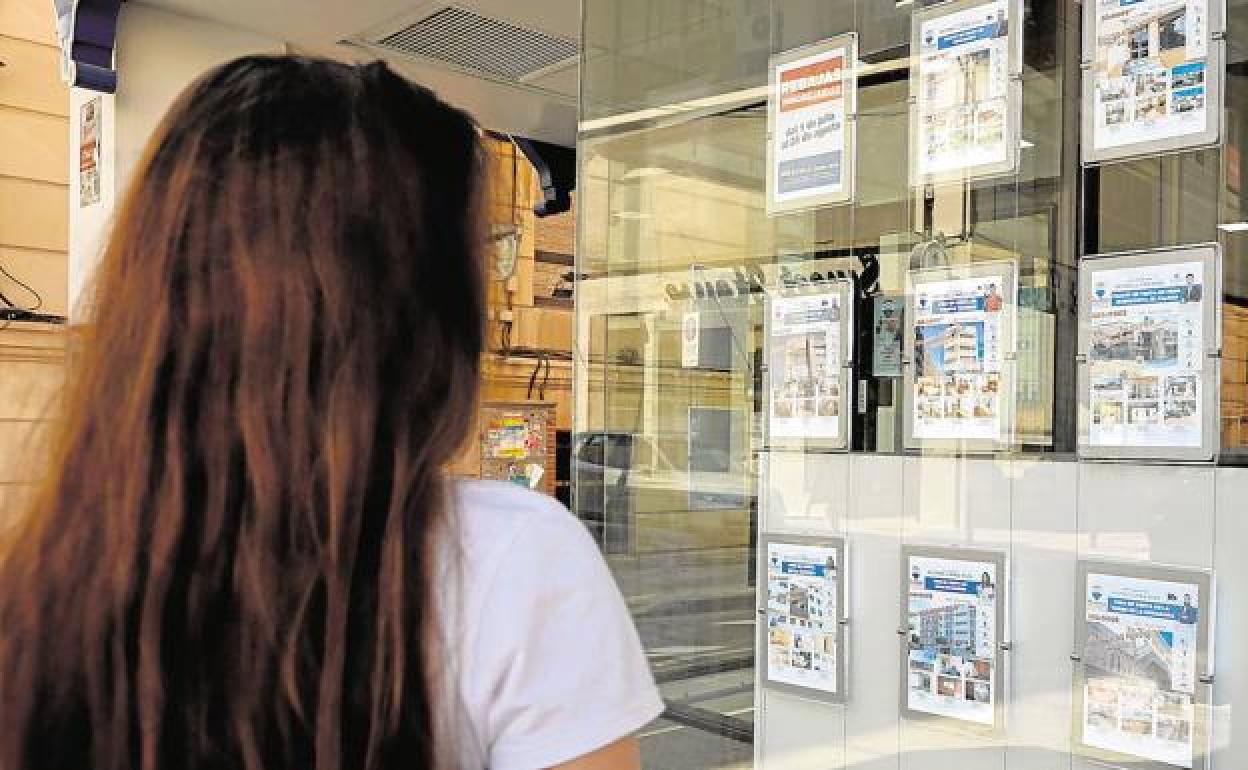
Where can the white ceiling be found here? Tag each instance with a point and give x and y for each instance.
(544, 108)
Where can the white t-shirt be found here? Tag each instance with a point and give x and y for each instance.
(545, 657)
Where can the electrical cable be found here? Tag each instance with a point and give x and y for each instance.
(543, 358)
(25, 286)
(504, 338)
(528, 396)
(541, 391)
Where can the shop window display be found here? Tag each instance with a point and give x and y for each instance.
(848, 426)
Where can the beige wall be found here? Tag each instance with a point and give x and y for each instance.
(41, 218)
(535, 324)
(34, 171)
(158, 55)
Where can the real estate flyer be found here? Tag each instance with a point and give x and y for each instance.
(1150, 70)
(963, 83)
(1139, 659)
(811, 150)
(959, 346)
(951, 658)
(804, 366)
(803, 614)
(1145, 356)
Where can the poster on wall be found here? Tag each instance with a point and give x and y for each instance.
(89, 152)
(1155, 77)
(514, 442)
(690, 337)
(810, 118)
(887, 330)
(803, 637)
(952, 603)
(808, 346)
(960, 346)
(1148, 379)
(1144, 650)
(964, 87)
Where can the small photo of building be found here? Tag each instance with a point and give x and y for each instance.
(949, 348)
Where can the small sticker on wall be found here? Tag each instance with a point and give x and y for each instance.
(690, 336)
(89, 154)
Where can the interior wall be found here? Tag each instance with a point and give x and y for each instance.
(158, 55)
(34, 171)
(525, 320)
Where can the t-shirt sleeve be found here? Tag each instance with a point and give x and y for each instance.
(561, 661)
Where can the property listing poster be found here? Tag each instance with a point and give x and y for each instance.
(1145, 356)
(963, 90)
(886, 335)
(810, 141)
(805, 367)
(1139, 661)
(803, 610)
(1150, 71)
(959, 333)
(951, 664)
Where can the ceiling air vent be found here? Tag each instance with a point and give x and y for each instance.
(479, 44)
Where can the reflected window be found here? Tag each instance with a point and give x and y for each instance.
(1139, 43)
(1173, 32)
(620, 452)
(591, 451)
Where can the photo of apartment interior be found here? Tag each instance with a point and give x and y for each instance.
(1147, 35)
(1145, 341)
(809, 387)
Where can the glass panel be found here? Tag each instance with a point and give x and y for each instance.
(648, 54)
(954, 304)
(671, 223)
(1234, 209)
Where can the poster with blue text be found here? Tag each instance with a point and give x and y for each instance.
(1145, 337)
(803, 615)
(1151, 76)
(964, 107)
(806, 373)
(959, 350)
(1140, 653)
(952, 616)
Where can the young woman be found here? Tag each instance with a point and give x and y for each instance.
(245, 554)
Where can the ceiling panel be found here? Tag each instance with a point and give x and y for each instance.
(541, 106)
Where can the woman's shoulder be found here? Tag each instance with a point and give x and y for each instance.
(501, 508)
(552, 666)
(500, 521)
(503, 500)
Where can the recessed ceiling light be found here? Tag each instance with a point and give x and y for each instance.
(630, 215)
(1233, 227)
(1024, 144)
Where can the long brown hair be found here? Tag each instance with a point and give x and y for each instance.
(230, 563)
